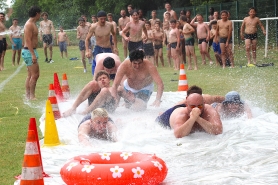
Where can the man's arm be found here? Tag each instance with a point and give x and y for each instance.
(181, 123)
(192, 23)
(212, 124)
(118, 78)
(208, 32)
(53, 30)
(248, 111)
(178, 38)
(160, 86)
(83, 133)
(261, 25)
(40, 31)
(10, 36)
(242, 29)
(230, 33)
(87, 41)
(125, 30)
(145, 31)
(83, 95)
(114, 38)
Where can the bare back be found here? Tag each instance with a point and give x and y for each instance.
(32, 34)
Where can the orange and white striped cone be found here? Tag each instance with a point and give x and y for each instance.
(57, 88)
(53, 100)
(65, 87)
(183, 86)
(32, 172)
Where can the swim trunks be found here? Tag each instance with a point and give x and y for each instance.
(200, 41)
(143, 94)
(189, 41)
(63, 46)
(82, 45)
(224, 40)
(1, 46)
(18, 44)
(148, 49)
(216, 48)
(47, 38)
(98, 50)
(27, 56)
(159, 46)
(173, 45)
(210, 42)
(164, 118)
(134, 46)
(251, 36)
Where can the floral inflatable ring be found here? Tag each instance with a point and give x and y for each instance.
(114, 168)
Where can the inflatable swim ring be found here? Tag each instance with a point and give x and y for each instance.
(114, 168)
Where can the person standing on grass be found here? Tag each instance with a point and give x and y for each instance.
(82, 32)
(148, 44)
(101, 30)
(47, 35)
(224, 33)
(203, 37)
(3, 42)
(166, 31)
(110, 19)
(189, 42)
(158, 46)
(215, 43)
(122, 22)
(154, 19)
(62, 42)
(135, 28)
(29, 53)
(173, 14)
(16, 40)
(248, 32)
(174, 41)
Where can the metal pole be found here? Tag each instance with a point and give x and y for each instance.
(266, 39)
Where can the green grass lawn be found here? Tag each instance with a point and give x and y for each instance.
(258, 85)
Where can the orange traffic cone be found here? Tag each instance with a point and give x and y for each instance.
(183, 86)
(32, 172)
(65, 87)
(57, 88)
(53, 101)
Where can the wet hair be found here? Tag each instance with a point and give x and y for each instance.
(32, 12)
(100, 73)
(224, 11)
(183, 18)
(110, 14)
(81, 19)
(173, 21)
(134, 11)
(136, 55)
(194, 89)
(44, 13)
(109, 62)
(2, 14)
(253, 8)
(101, 13)
(99, 112)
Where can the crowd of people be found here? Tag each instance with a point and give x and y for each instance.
(134, 78)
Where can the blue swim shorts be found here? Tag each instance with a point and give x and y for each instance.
(18, 44)
(27, 56)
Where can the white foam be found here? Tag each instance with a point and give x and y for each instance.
(246, 152)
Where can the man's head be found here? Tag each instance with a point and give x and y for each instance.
(213, 24)
(99, 120)
(34, 11)
(148, 25)
(173, 23)
(224, 14)
(195, 100)
(194, 89)
(167, 6)
(252, 11)
(129, 9)
(123, 13)
(182, 19)
(100, 74)
(103, 79)
(101, 16)
(2, 16)
(232, 102)
(188, 13)
(110, 17)
(200, 18)
(61, 29)
(216, 15)
(136, 58)
(44, 15)
(94, 18)
(154, 13)
(109, 63)
(84, 17)
(135, 15)
(81, 22)
(15, 21)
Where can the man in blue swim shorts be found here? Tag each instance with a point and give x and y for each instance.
(16, 39)
(29, 54)
(140, 74)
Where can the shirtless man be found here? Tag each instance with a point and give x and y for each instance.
(166, 32)
(135, 29)
(101, 30)
(248, 32)
(196, 116)
(154, 19)
(110, 19)
(97, 125)
(63, 42)
(158, 46)
(122, 22)
(108, 62)
(164, 118)
(3, 42)
(223, 34)
(174, 41)
(203, 37)
(16, 40)
(82, 32)
(138, 86)
(166, 21)
(189, 42)
(148, 44)
(93, 38)
(29, 53)
(98, 93)
(47, 31)
(130, 10)
(173, 14)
